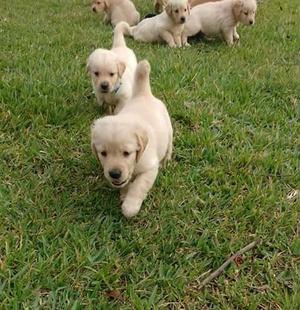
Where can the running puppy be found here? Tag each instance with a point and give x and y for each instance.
(116, 11)
(167, 26)
(132, 145)
(112, 73)
(220, 18)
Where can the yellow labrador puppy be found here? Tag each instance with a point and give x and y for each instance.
(112, 73)
(167, 26)
(116, 11)
(220, 18)
(132, 145)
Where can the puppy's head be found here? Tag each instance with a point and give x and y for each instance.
(244, 11)
(105, 69)
(118, 145)
(100, 5)
(178, 10)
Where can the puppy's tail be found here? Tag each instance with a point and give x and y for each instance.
(142, 79)
(119, 39)
(121, 29)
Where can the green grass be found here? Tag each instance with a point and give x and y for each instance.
(64, 243)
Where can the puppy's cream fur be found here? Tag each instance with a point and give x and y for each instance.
(197, 2)
(160, 5)
(134, 143)
(167, 26)
(220, 18)
(114, 68)
(116, 11)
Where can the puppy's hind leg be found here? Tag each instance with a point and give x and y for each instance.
(168, 155)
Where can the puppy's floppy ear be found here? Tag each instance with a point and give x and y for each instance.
(106, 4)
(142, 139)
(236, 7)
(121, 68)
(88, 67)
(95, 151)
(93, 147)
(169, 9)
(189, 8)
(237, 3)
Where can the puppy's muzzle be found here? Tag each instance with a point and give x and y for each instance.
(182, 19)
(104, 87)
(115, 174)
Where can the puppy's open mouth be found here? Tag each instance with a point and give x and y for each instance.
(104, 91)
(119, 184)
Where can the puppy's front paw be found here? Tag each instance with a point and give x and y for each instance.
(131, 207)
(236, 37)
(172, 45)
(186, 44)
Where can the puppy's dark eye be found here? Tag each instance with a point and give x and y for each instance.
(246, 13)
(126, 154)
(96, 73)
(185, 10)
(176, 11)
(104, 153)
(111, 74)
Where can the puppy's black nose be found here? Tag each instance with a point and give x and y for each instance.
(104, 85)
(94, 9)
(182, 19)
(115, 173)
(251, 22)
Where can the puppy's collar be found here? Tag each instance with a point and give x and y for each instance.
(116, 89)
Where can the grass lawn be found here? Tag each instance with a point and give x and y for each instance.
(64, 243)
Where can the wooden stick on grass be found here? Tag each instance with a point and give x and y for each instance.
(220, 270)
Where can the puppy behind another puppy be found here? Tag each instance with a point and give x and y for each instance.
(167, 26)
(132, 145)
(112, 73)
(220, 18)
(116, 11)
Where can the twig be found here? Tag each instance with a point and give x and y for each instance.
(216, 273)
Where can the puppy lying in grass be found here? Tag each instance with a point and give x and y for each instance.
(220, 18)
(167, 26)
(116, 11)
(112, 73)
(132, 145)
